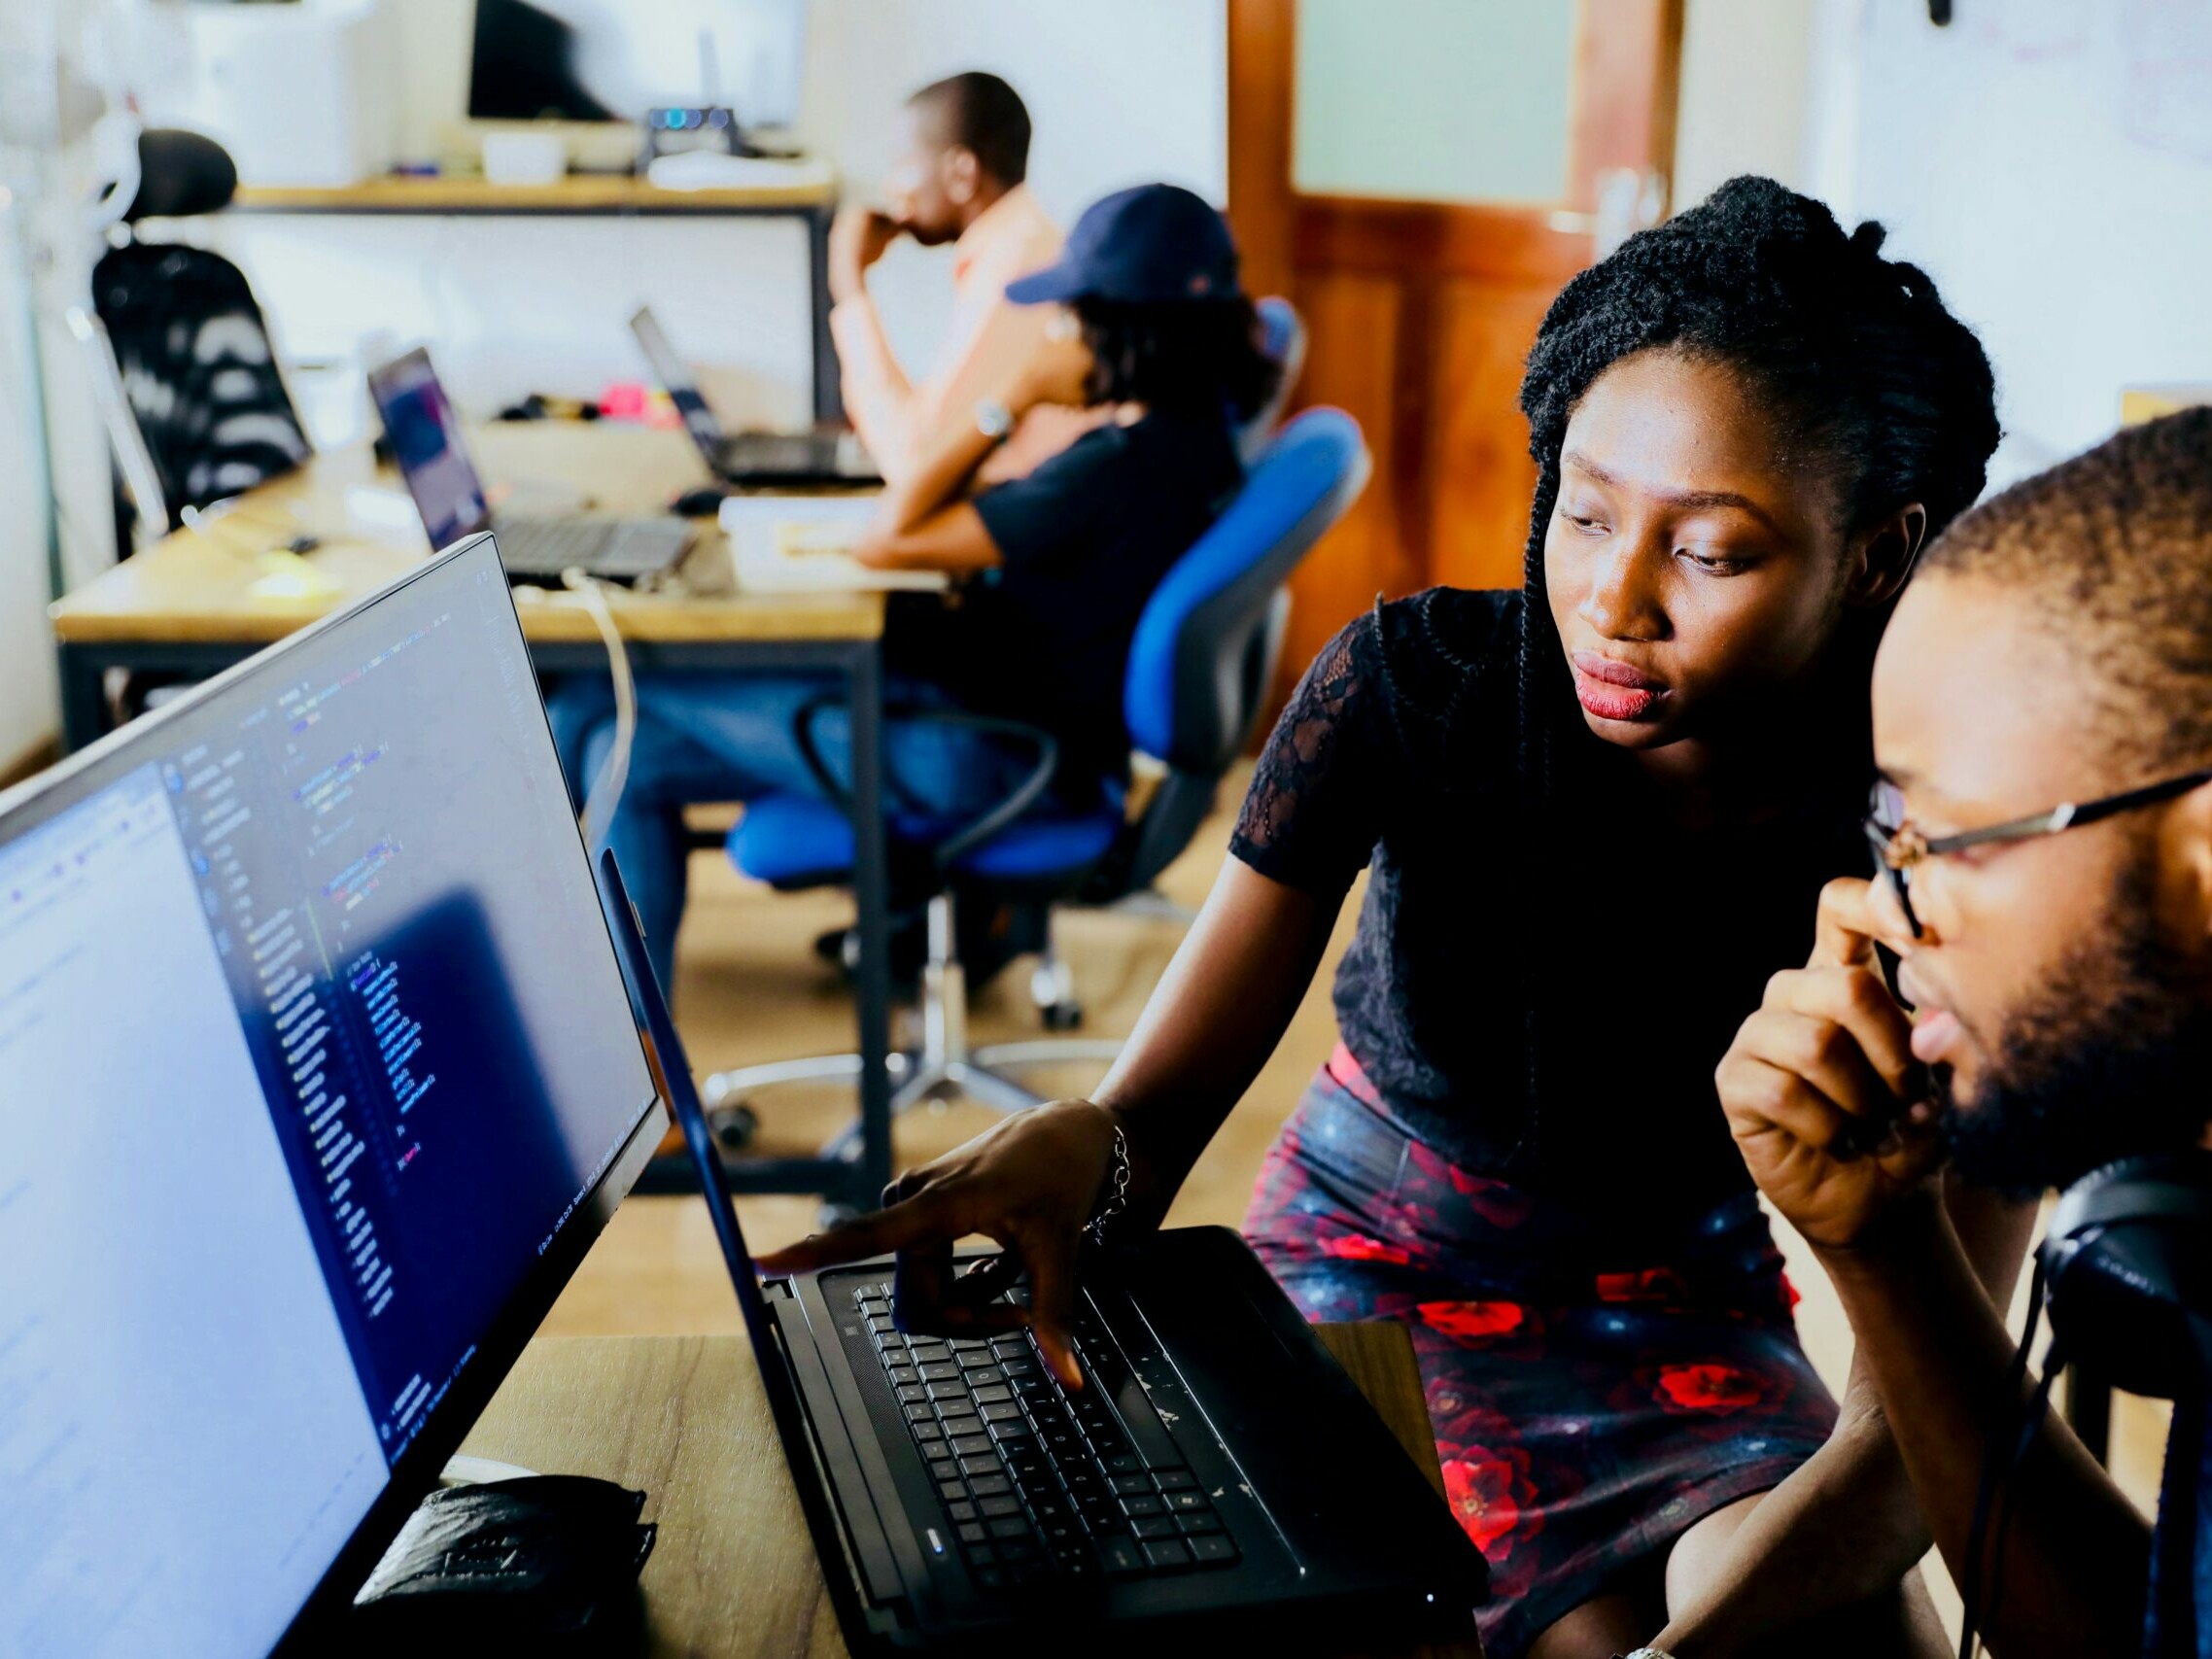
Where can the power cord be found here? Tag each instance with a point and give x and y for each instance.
(604, 794)
(207, 523)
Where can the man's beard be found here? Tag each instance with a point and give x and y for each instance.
(2112, 1059)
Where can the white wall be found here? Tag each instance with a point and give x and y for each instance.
(43, 260)
(1742, 104)
(2050, 163)
(29, 705)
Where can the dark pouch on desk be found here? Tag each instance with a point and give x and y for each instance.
(553, 1558)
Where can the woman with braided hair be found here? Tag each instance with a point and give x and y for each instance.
(1595, 814)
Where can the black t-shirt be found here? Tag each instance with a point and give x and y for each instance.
(1085, 540)
(1622, 952)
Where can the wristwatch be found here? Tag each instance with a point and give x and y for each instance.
(993, 419)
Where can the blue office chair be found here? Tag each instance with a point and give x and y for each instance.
(1282, 336)
(1202, 659)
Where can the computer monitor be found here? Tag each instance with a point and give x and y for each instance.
(320, 1077)
(615, 59)
(425, 435)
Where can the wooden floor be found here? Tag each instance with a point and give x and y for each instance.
(750, 989)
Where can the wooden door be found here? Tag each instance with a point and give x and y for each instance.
(1420, 311)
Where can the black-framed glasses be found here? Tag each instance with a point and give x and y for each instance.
(1898, 847)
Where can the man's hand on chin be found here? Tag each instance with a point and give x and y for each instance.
(859, 237)
(1823, 1096)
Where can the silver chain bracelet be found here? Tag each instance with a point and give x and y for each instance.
(1117, 1194)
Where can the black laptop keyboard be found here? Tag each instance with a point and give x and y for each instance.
(1040, 1485)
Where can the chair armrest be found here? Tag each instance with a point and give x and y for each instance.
(948, 851)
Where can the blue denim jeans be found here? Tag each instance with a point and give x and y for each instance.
(733, 738)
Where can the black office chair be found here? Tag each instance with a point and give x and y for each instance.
(197, 373)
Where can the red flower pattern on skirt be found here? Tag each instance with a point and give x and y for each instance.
(1358, 1247)
(1486, 1492)
(1710, 1387)
(1660, 1285)
(1473, 1321)
(1573, 1409)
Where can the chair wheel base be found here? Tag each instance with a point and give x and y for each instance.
(735, 1126)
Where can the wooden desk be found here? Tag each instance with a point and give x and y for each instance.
(199, 590)
(685, 1419)
(577, 192)
(190, 605)
(810, 198)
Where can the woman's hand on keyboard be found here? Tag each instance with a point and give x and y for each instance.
(1031, 1183)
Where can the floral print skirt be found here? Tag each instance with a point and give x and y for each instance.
(1588, 1410)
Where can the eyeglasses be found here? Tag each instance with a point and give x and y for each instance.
(1898, 847)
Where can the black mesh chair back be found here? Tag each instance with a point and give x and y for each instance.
(197, 371)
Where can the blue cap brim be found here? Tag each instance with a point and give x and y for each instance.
(1061, 282)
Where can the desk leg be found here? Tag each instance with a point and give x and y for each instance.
(872, 897)
(83, 696)
(829, 399)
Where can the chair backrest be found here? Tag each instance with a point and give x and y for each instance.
(199, 370)
(180, 175)
(1186, 699)
(1282, 336)
(1206, 645)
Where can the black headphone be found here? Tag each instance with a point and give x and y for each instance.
(2124, 1270)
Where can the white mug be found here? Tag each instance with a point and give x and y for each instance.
(525, 157)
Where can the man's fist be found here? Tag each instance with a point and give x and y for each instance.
(1822, 1094)
(857, 238)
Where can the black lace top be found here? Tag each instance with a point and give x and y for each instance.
(1539, 990)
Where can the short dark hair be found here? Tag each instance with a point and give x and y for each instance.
(1194, 356)
(2113, 553)
(981, 113)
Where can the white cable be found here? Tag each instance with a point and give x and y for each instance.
(206, 523)
(606, 792)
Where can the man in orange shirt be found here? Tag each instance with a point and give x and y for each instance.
(958, 180)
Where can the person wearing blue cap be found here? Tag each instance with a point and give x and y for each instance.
(1053, 568)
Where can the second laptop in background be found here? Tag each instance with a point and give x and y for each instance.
(426, 441)
(749, 459)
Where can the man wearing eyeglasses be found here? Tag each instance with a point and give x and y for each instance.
(2043, 726)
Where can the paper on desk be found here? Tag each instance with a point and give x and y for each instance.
(804, 544)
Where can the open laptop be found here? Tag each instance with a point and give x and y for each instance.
(425, 439)
(1218, 1476)
(320, 1079)
(763, 460)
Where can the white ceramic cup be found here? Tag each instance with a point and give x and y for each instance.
(525, 157)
